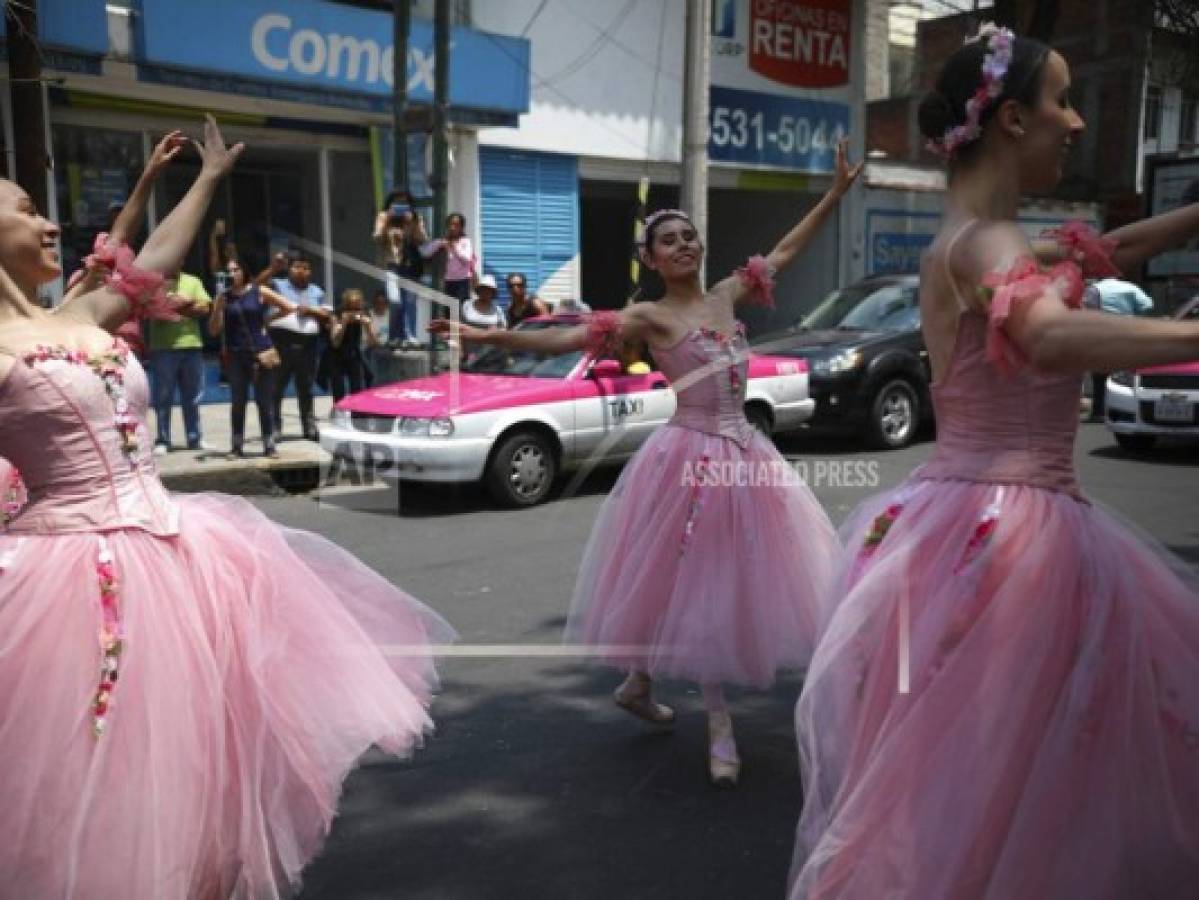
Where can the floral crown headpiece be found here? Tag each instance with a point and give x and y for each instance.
(653, 218)
(995, 65)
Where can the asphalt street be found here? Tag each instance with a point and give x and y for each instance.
(535, 785)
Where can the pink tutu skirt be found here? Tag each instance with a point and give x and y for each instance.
(1047, 744)
(708, 562)
(256, 664)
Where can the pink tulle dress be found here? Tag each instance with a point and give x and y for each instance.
(707, 562)
(186, 683)
(1005, 703)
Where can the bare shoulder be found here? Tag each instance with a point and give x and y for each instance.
(988, 247)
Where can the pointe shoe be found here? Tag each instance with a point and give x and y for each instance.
(724, 765)
(634, 697)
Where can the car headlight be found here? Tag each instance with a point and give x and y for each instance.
(341, 418)
(835, 365)
(416, 427)
(1124, 379)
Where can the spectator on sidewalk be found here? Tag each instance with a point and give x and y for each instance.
(1121, 298)
(381, 317)
(400, 234)
(239, 318)
(522, 305)
(221, 252)
(482, 311)
(461, 263)
(177, 361)
(350, 333)
(378, 357)
(296, 335)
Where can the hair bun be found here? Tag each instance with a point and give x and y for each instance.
(935, 115)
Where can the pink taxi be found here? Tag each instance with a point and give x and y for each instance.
(516, 419)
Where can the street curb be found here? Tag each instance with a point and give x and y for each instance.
(248, 476)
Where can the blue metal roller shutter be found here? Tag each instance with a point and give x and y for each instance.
(530, 211)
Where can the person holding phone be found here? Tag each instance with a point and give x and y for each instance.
(461, 262)
(400, 233)
(350, 333)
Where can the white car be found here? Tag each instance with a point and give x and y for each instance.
(515, 419)
(1146, 404)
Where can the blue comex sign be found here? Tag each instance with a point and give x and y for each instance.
(330, 47)
(76, 25)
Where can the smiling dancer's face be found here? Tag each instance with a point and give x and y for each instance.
(28, 241)
(676, 251)
(1049, 129)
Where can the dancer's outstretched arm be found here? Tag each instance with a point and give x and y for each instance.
(794, 241)
(632, 323)
(133, 213)
(1136, 242)
(1140, 241)
(1055, 338)
(168, 243)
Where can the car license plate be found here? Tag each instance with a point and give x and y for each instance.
(1173, 408)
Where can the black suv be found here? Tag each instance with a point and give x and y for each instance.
(868, 368)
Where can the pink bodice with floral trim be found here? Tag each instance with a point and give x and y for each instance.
(58, 427)
(1014, 427)
(708, 371)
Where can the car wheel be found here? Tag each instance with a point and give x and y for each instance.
(1136, 443)
(759, 417)
(894, 416)
(522, 470)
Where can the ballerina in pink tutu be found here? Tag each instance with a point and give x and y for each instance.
(685, 575)
(1005, 703)
(187, 683)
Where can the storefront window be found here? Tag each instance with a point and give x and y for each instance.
(95, 170)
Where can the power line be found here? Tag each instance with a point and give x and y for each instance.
(524, 32)
(541, 82)
(635, 54)
(591, 52)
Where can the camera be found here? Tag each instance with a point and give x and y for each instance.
(399, 210)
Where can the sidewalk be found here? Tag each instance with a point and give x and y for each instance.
(214, 469)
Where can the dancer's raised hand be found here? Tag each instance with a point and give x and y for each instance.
(165, 152)
(845, 175)
(216, 159)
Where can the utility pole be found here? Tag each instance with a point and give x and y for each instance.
(439, 180)
(28, 107)
(441, 97)
(402, 22)
(696, 66)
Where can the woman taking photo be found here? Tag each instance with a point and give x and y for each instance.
(351, 332)
(400, 234)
